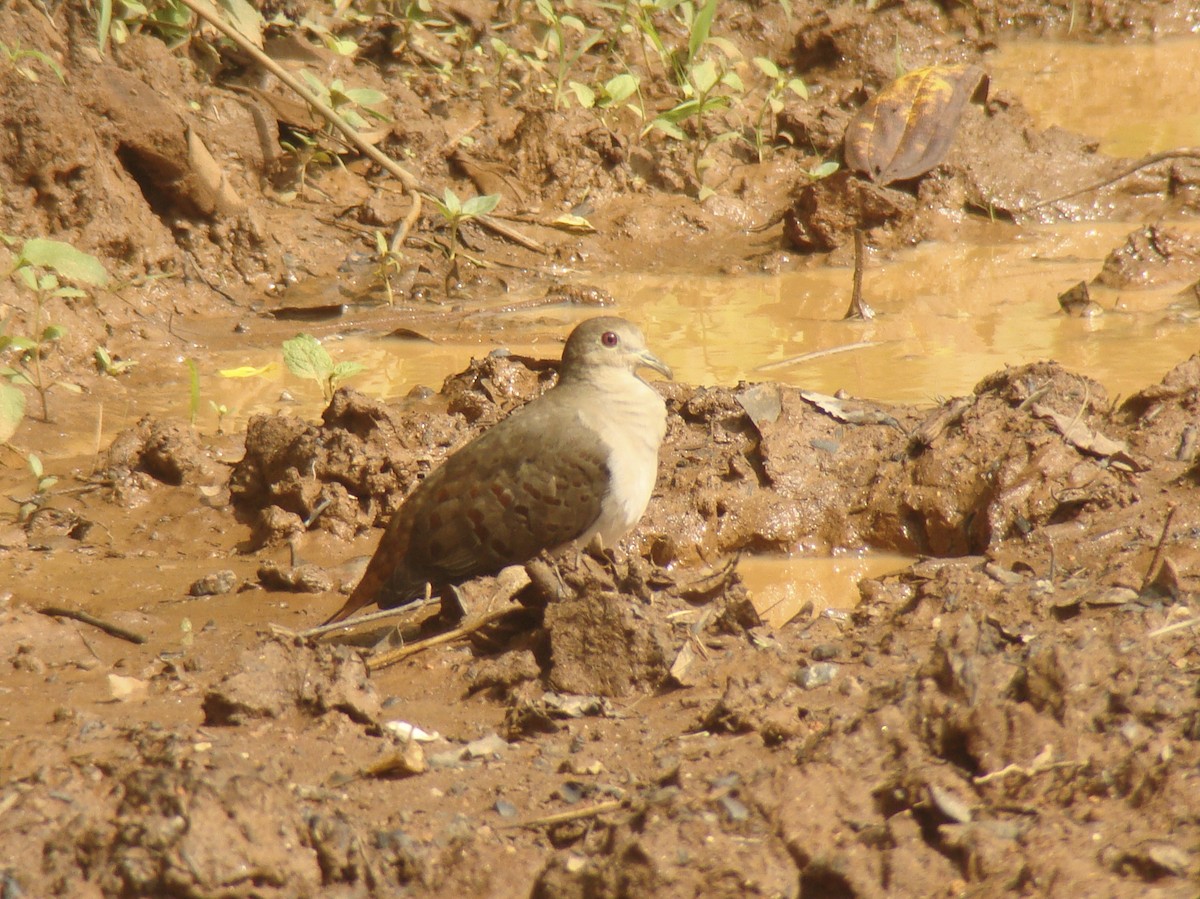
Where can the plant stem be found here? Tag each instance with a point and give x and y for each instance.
(37, 355)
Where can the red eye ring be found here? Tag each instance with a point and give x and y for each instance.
(610, 339)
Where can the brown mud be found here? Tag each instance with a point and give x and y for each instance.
(1016, 711)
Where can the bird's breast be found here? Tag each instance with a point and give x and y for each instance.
(630, 424)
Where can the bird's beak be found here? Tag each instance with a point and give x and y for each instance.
(648, 359)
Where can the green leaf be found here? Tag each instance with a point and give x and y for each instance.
(65, 260)
(47, 283)
(16, 342)
(668, 128)
(573, 23)
(103, 24)
(12, 410)
(305, 357)
(799, 88)
(620, 88)
(246, 19)
(705, 192)
(365, 96)
(481, 205)
(733, 81)
(451, 204)
(51, 333)
(584, 94)
(704, 76)
(684, 110)
(824, 170)
(767, 67)
(35, 465)
(69, 292)
(27, 276)
(701, 26)
(344, 370)
(726, 46)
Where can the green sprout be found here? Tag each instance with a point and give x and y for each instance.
(455, 212)
(306, 358)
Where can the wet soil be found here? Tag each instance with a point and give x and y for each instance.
(1016, 711)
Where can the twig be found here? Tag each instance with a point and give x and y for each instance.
(592, 811)
(391, 657)
(113, 630)
(369, 618)
(410, 181)
(1156, 559)
(1171, 628)
(407, 178)
(1185, 153)
(817, 354)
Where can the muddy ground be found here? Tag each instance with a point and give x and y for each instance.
(1018, 711)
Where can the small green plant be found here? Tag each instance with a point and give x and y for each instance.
(823, 170)
(107, 365)
(612, 94)
(347, 101)
(38, 268)
(556, 43)
(780, 85)
(455, 212)
(222, 410)
(41, 491)
(709, 88)
(304, 151)
(305, 357)
(170, 20)
(387, 263)
(20, 60)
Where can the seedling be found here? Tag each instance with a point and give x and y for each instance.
(38, 268)
(709, 89)
(107, 365)
(222, 410)
(609, 95)
(773, 101)
(455, 212)
(556, 41)
(41, 492)
(305, 357)
(20, 60)
(387, 263)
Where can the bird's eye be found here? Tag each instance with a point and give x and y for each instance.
(610, 339)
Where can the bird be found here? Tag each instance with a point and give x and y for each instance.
(574, 466)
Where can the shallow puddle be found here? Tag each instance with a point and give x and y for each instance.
(1135, 98)
(784, 588)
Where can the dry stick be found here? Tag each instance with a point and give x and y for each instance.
(592, 811)
(411, 184)
(113, 630)
(1156, 560)
(407, 178)
(391, 657)
(1171, 628)
(369, 618)
(817, 354)
(1185, 153)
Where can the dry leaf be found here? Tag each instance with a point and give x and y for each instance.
(907, 128)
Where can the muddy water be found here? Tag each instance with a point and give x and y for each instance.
(1135, 99)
